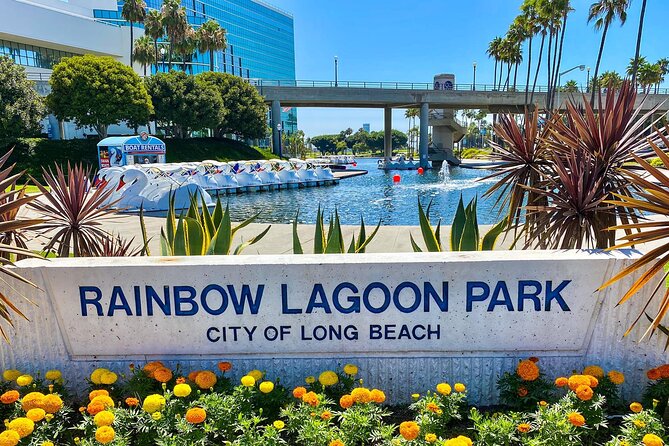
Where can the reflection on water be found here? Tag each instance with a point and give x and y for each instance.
(374, 196)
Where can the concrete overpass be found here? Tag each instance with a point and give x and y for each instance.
(389, 95)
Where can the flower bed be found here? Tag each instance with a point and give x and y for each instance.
(155, 405)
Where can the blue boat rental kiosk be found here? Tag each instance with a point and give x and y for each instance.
(117, 151)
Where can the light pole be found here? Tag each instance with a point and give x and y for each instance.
(162, 56)
(279, 127)
(587, 85)
(579, 67)
(474, 84)
(336, 71)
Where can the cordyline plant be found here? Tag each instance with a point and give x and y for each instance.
(73, 212)
(11, 200)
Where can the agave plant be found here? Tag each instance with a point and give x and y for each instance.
(465, 234)
(332, 241)
(200, 232)
(11, 200)
(72, 211)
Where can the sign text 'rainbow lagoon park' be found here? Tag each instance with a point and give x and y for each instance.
(296, 305)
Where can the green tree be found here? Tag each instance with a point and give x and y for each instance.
(494, 51)
(185, 47)
(21, 108)
(133, 11)
(183, 103)
(98, 92)
(295, 144)
(570, 87)
(246, 111)
(325, 143)
(210, 38)
(175, 23)
(609, 79)
(154, 28)
(604, 12)
(144, 53)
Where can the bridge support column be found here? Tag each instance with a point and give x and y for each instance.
(276, 132)
(388, 133)
(423, 142)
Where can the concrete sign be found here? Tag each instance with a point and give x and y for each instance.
(384, 305)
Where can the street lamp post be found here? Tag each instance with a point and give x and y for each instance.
(279, 127)
(336, 71)
(474, 84)
(162, 56)
(587, 85)
(579, 67)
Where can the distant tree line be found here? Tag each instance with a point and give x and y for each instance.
(360, 141)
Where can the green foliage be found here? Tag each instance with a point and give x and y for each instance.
(636, 426)
(499, 429)
(98, 92)
(436, 411)
(362, 140)
(21, 107)
(200, 232)
(656, 162)
(245, 109)
(362, 424)
(475, 153)
(184, 103)
(520, 394)
(332, 240)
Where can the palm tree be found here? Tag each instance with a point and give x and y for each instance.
(604, 12)
(649, 74)
(638, 41)
(411, 114)
(493, 51)
(634, 65)
(144, 53)
(664, 66)
(562, 9)
(133, 11)
(186, 46)
(543, 23)
(210, 38)
(153, 27)
(176, 25)
(609, 79)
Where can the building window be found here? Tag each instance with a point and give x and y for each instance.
(32, 56)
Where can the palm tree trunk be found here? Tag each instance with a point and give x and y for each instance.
(559, 59)
(595, 85)
(515, 77)
(144, 70)
(508, 75)
(529, 67)
(132, 41)
(548, 68)
(501, 69)
(494, 81)
(211, 60)
(536, 73)
(155, 47)
(638, 42)
(169, 57)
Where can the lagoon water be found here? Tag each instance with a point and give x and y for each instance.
(374, 196)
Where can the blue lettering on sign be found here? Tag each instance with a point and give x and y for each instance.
(528, 290)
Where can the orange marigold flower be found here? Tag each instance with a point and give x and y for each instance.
(527, 370)
(576, 419)
(616, 377)
(409, 430)
(206, 379)
(652, 440)
(594, 370)
(346, 401)
(432, 407)
(152, 367)
(311, 399)
(594, 382)
(224, 366)
(326, 415)
(524, 428)
(578, 380)
(180, 380)
(378, 396)
(584, 393)
(336, 442)
(193, 375)
(52, 403)
(299, 392)
(32, 400)
(636, 407)
(664, 371)
(95, 393)
(196, 415)
(522, 392)
(9, 397)
(653, 374)
(132, 402)
(162, 374)
(361, 395)
(561, 381)
(94, 408)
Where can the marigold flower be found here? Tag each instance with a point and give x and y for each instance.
(96, 374)
(47, 443)
(527, 370)
(543, 403)
(98, 392)
(415, 395)
(48, 417)
(328, 378)
(36, 414)
(594, 382)
(108, 378)
(409, 430)
(460, 440)
(336, 442)
(346, 401)
(652, 440)
(9, 397)
(636, 407)
(9, 438)
(298, 392)
(132, 402)
(361, 395)
(182, 390)
(311, 398)
(152, 367)
(105, 434)
(24, 380)
(224, 366)
(584, 393)
(206, 379)
(430, 438)
(180, 380)
(53, 375)
(153, 403)
(278, 424)
(32, 400)
(432, 407)
(248, 381)
(266, 386)
(105, 400)
(522, 392)
(663, 370)
(23, 426)
(640, 424)
(351, 369)
(104, 418)
(561, 381)
(576, 419)
(256, 374)
(326, 415)
(578, 380)
(524, 428)
(156, 416)
(378, 396)
(616, 377)
(162, 374)
(310, 379)
(196, 415)
(653, 374)
(459, 387)
(93, 408)
(192, 376)
(594, 370)
(444, 388)
(11, 374)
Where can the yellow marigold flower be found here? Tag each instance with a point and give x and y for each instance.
(256, 374)
(248, 381)
(328, 378)
(361, 395)
(543, 403)
(206, 379)
(299, 392)
(527, 370)
(346, 401)
(576, 419)
(9, 397)
(459, 387)
(97, 392)
(561, 381)
(378, 396)
(52, 403)
(97, 373)
(53, 375)
(36, 414)
(351, 369)
(131, 402)
(278, 424)
(23, 426)
(594, 370)
(105, 434)
(310, 379)
(459, 441)
(11, 374)
(578, 380)
(640, 424)
(415, 395)
(182, 390)
(156, 416)
(524, 428)
(311, 398)
(24, 380)
(636, 407)
(32, 400)
(652, 440)
(336, 442)
(196, 415)
(616, 377)
(47, 443)
(584, 393)
(444, 388)
(48, 417)
(108, 378)
(432, 407)
(9, 438)
(409, 430)
(104, 418)
(326, 415)
(430, 438)
(224, 366)
(266, 386)
(153, 403)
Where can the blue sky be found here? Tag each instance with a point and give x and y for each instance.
(392, 40)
